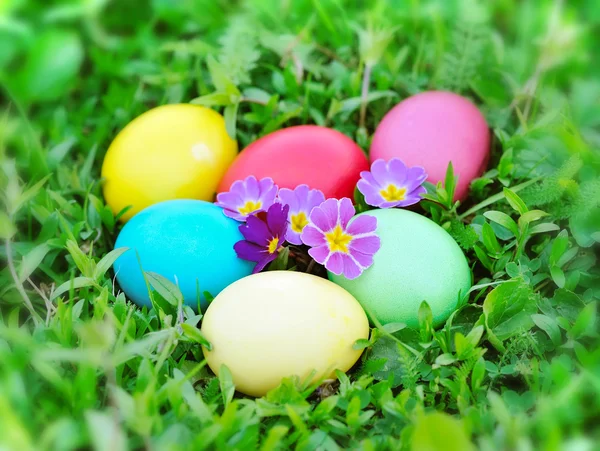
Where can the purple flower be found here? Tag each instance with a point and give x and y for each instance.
(301, 202)
(263, 238)
(248, 196)
(343, 247)
(392, 184)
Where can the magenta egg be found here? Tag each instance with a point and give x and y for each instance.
(430, 130)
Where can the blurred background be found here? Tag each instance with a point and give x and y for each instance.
(74, 73)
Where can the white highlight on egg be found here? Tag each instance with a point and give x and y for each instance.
(201, 152)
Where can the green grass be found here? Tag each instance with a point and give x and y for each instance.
(516, 367)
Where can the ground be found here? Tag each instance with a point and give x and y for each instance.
(516, 367)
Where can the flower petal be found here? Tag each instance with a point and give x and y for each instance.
(234, 215)
(311, 236)
(351, 270)
(268, 193)
(248, 251)
(229, 200)
(315, 198)
(277, 220)
(346, 211)
(325, 216)
(398, 171)
(367, 245)
(362, 224)
(380, 172)
(415, 177)
(264, 261)
(293, 237)
(256, 231)
(252, 188)
(368, 177)
(371, 193)
(319, 253)
(335, 263)
(288, 197)
(239, 187)
(363, 260)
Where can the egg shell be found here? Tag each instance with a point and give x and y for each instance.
(277, 324)
(187, 241)
(430, 130)
(319, 157)
(418, 261)
(170, 152)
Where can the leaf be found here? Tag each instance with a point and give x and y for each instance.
(105, 431)
(549, 326)
(445, 359)
(532, 216)
(449, 434)
(216, 98)
(450, 181)
(84, 263)
(558, 276)
(351, 104)
(393, 327)
(543, 228)
(167, 289)
(507, 310)
(51, 66)
(29, 193)
(7, 228)
(32, 260)
(559, 247)
(77, 282)
(230, 115)
(489, 239)
(107, 261)
(220, 78)
(503, 219)
(585, 321)
(361, 343)
(226, 384)
(194, 334)
(515, 201)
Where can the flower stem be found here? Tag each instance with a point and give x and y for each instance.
(364, 94)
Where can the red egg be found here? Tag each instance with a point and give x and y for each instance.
(430, 130)
(320, 157)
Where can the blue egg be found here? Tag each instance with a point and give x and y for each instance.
(190, 242)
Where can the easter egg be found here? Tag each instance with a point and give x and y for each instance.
(432, 129)
(169, 152)
(418, 261)
(190, 242)
(319, 157)
(278, 324)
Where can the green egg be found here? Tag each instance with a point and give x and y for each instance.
(418, 261)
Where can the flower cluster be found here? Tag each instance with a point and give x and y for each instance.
(335, 238)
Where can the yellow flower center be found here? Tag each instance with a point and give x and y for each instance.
(273, 245)
(249, 207)
(393, 194)
(338, 240)
(299, 221)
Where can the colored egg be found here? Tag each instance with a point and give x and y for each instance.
(190, 242)
(277, 324)
(319, 157)
(430, 130)
(418, 261)
(169, 152)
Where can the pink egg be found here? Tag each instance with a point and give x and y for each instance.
(430, 130)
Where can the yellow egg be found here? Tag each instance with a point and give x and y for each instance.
(170, 152)
(277, 324)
